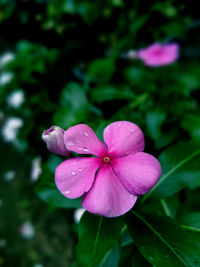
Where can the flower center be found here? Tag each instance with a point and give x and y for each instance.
(106, 159)
(158, 52)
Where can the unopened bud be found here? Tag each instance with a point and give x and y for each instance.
(54, 138)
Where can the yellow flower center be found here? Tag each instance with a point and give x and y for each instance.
(106, 159)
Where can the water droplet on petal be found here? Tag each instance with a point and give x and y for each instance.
(80, 170)
(84, 149)
(67, 192)
(70, 143)
(132, 131)
(78, 141)
(73, 173)
(86, 134)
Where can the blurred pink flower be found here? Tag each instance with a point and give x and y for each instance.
(111, 181)
(159, 55)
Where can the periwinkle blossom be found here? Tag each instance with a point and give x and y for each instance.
(15, 99)
(132, 54)
(54, 138)
(5, 78)
(6, 58)
(9, 175)
(36, 169)
(78, 213)
(111, 181)
(159, 54)
(27, 230)
(10, 129)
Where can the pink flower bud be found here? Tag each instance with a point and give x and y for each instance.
(54, 138)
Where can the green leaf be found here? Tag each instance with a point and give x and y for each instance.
(74, 95)
(180, 168)
(163, 242)
(126, 238)
(46, 189)
(192, 220)
(101, 71)
(50, 194)
(107, 93)
(111, 259)
(118, 3)
(191, 123)
(97, 235)
(154, 121)
(74, 106)
(138, 23)
(171, 205)
(130, 256)
(66, 117)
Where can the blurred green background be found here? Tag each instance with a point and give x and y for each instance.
(63, 62)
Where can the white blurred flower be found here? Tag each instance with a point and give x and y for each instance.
(15, 99)
(5, 77)
(9, 176)
(26, 230)
(10, 129)
(2, 243)
(132, 54)
(5, 58)
(38, 265)
(35, 169)
(78, 213)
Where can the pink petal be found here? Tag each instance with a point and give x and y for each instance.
(159, 55)
(82, 139)
(123, 138)
(108, 197)
(75, 176)
(145, 53)
(138, 172)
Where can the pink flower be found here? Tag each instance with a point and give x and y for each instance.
(54, 138)
(111, 181)
(159, 55)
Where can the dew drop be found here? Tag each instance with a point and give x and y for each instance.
(73, 173)
(132, 131)
(78, 141)
(67, 192)
(84, 149)
(70, 143)
(86, 134)
(80, 170)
